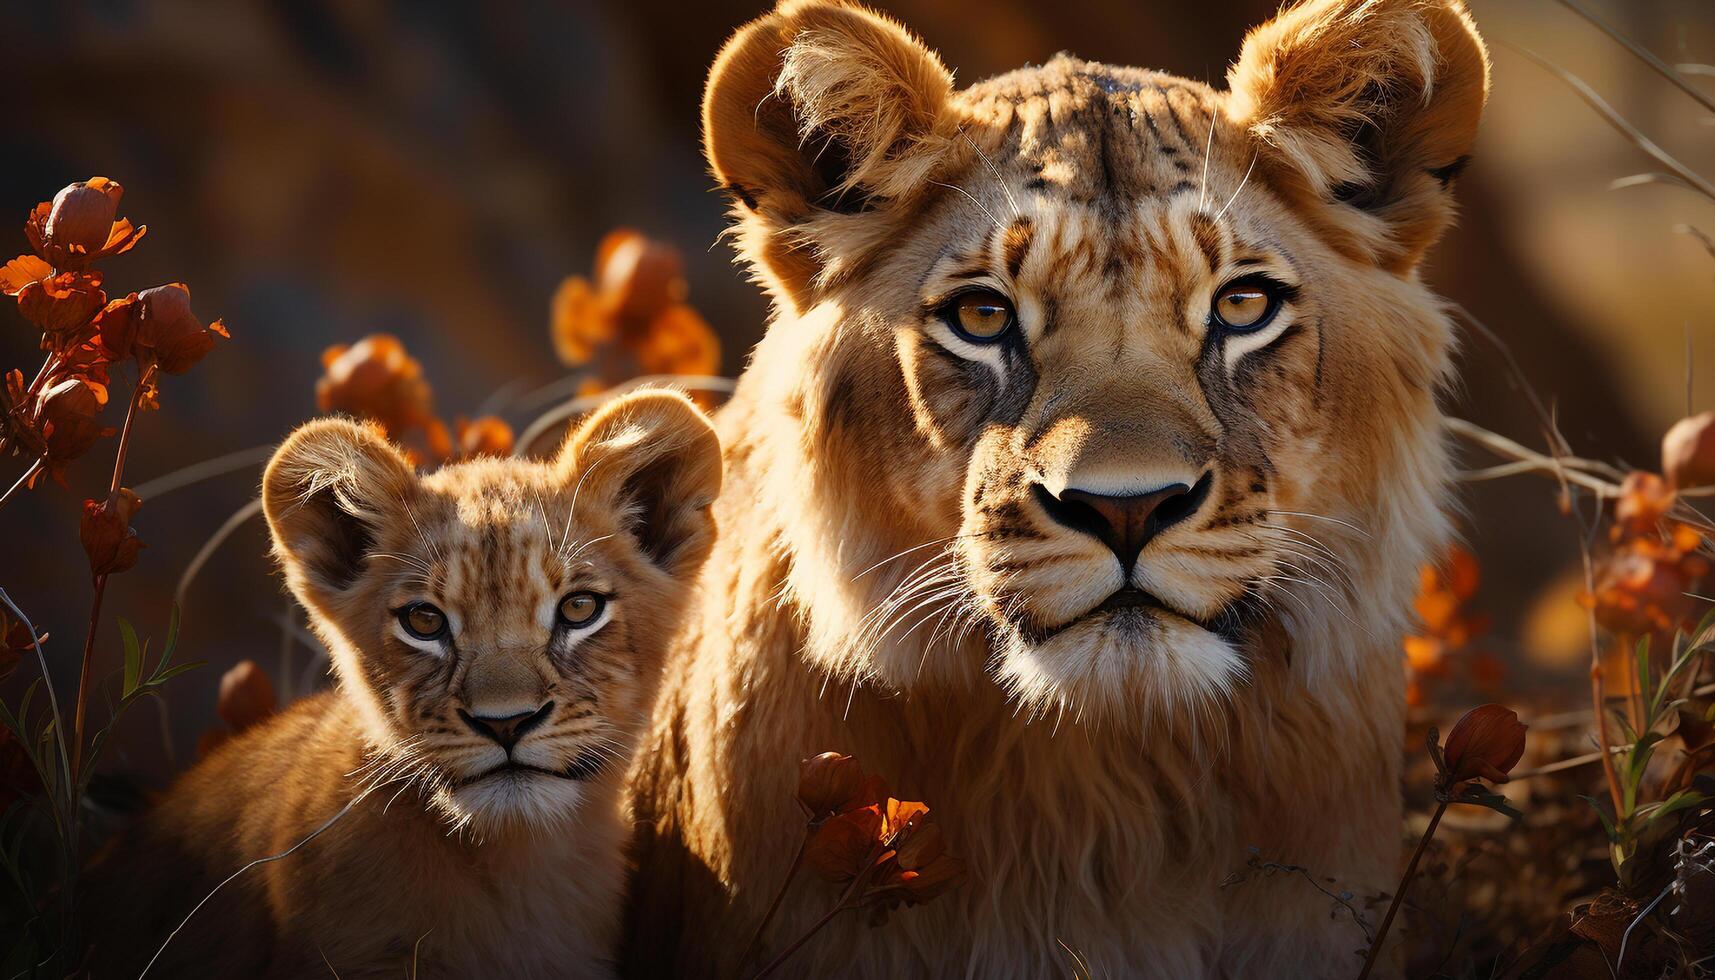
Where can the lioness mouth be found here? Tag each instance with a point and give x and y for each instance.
(585, 766)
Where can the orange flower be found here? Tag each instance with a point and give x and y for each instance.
(579, 322)
(1449, 627)
(1644, 501)
(168, 333)
(677, 341)
(67, 419)
(845, 845)
(1486, 743)
(1653, 561)
(22, 271)
(108, 538)
(62, 306)
(1688, 452)
(77, 227)
(485, 436)
(375, 378)
(246, 696)
(638, 276)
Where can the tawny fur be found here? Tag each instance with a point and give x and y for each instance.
(437, 866)
(889, 582)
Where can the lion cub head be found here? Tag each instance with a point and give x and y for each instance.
(1111, 371)
(500, 623)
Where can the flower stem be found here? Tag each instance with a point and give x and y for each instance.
(101, 587)
(29, 474)
(1599, 699)
(767, 917)
(1399, 893)
(839, 906)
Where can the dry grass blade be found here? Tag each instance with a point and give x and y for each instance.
(1642, 53)
(1625, 128)
(238, 519)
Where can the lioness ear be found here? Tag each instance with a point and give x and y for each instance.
(329, 488)
(655, 457)
(820, 109)
(1373, 106)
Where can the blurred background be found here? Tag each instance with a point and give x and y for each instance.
(317, 171)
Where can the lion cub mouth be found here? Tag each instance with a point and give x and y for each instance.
(587, 765)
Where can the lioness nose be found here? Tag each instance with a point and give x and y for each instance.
(507, 731)
(1124, 523)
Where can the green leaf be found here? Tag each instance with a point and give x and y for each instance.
(1682, 800)
(161, 677)
(1602, 814)
(133, 657)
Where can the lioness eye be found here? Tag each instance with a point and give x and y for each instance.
(579, 609)
(981, 317)
(423, 621)
(1245, 306)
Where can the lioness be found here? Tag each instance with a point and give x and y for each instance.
(1078, 486)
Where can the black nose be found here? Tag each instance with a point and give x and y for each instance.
(1124, 523)
(507, 731)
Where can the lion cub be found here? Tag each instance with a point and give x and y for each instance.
(497, 629)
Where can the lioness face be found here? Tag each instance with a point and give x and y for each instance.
(1151, 359)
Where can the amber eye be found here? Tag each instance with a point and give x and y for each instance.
(423, 621)
(981, 317)
(580, 610)
(1246, 305)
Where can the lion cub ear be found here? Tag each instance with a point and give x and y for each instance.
(330, 488)
(819, 109)
(654, 457)
(1373, 106)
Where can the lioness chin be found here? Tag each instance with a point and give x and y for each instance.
(1079, 486)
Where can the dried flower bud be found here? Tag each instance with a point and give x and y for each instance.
(831, 784)
(1644, 500)
(108, 538)
(168, 333)
(1486, 743)
(82, 215)
(638, 277)
(485, 436)
(375, 378)
(1688, 452)
(246, 696)
(67, 418)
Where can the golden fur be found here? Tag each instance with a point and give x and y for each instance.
(893, 580)
(443, 866)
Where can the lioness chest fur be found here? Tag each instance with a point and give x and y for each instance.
(453, 807)
(1078, 487)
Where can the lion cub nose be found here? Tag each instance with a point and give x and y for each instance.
(1124, 523)
(508, 730)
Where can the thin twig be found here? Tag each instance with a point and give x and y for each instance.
(1399, 893)
(1625, 128)
(1642, 53)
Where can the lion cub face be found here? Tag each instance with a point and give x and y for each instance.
(500, 623)
(1151, 357)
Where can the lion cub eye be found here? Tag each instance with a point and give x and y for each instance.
(1246, 305)
(423, 621)
(580, 609)
(981, 317)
